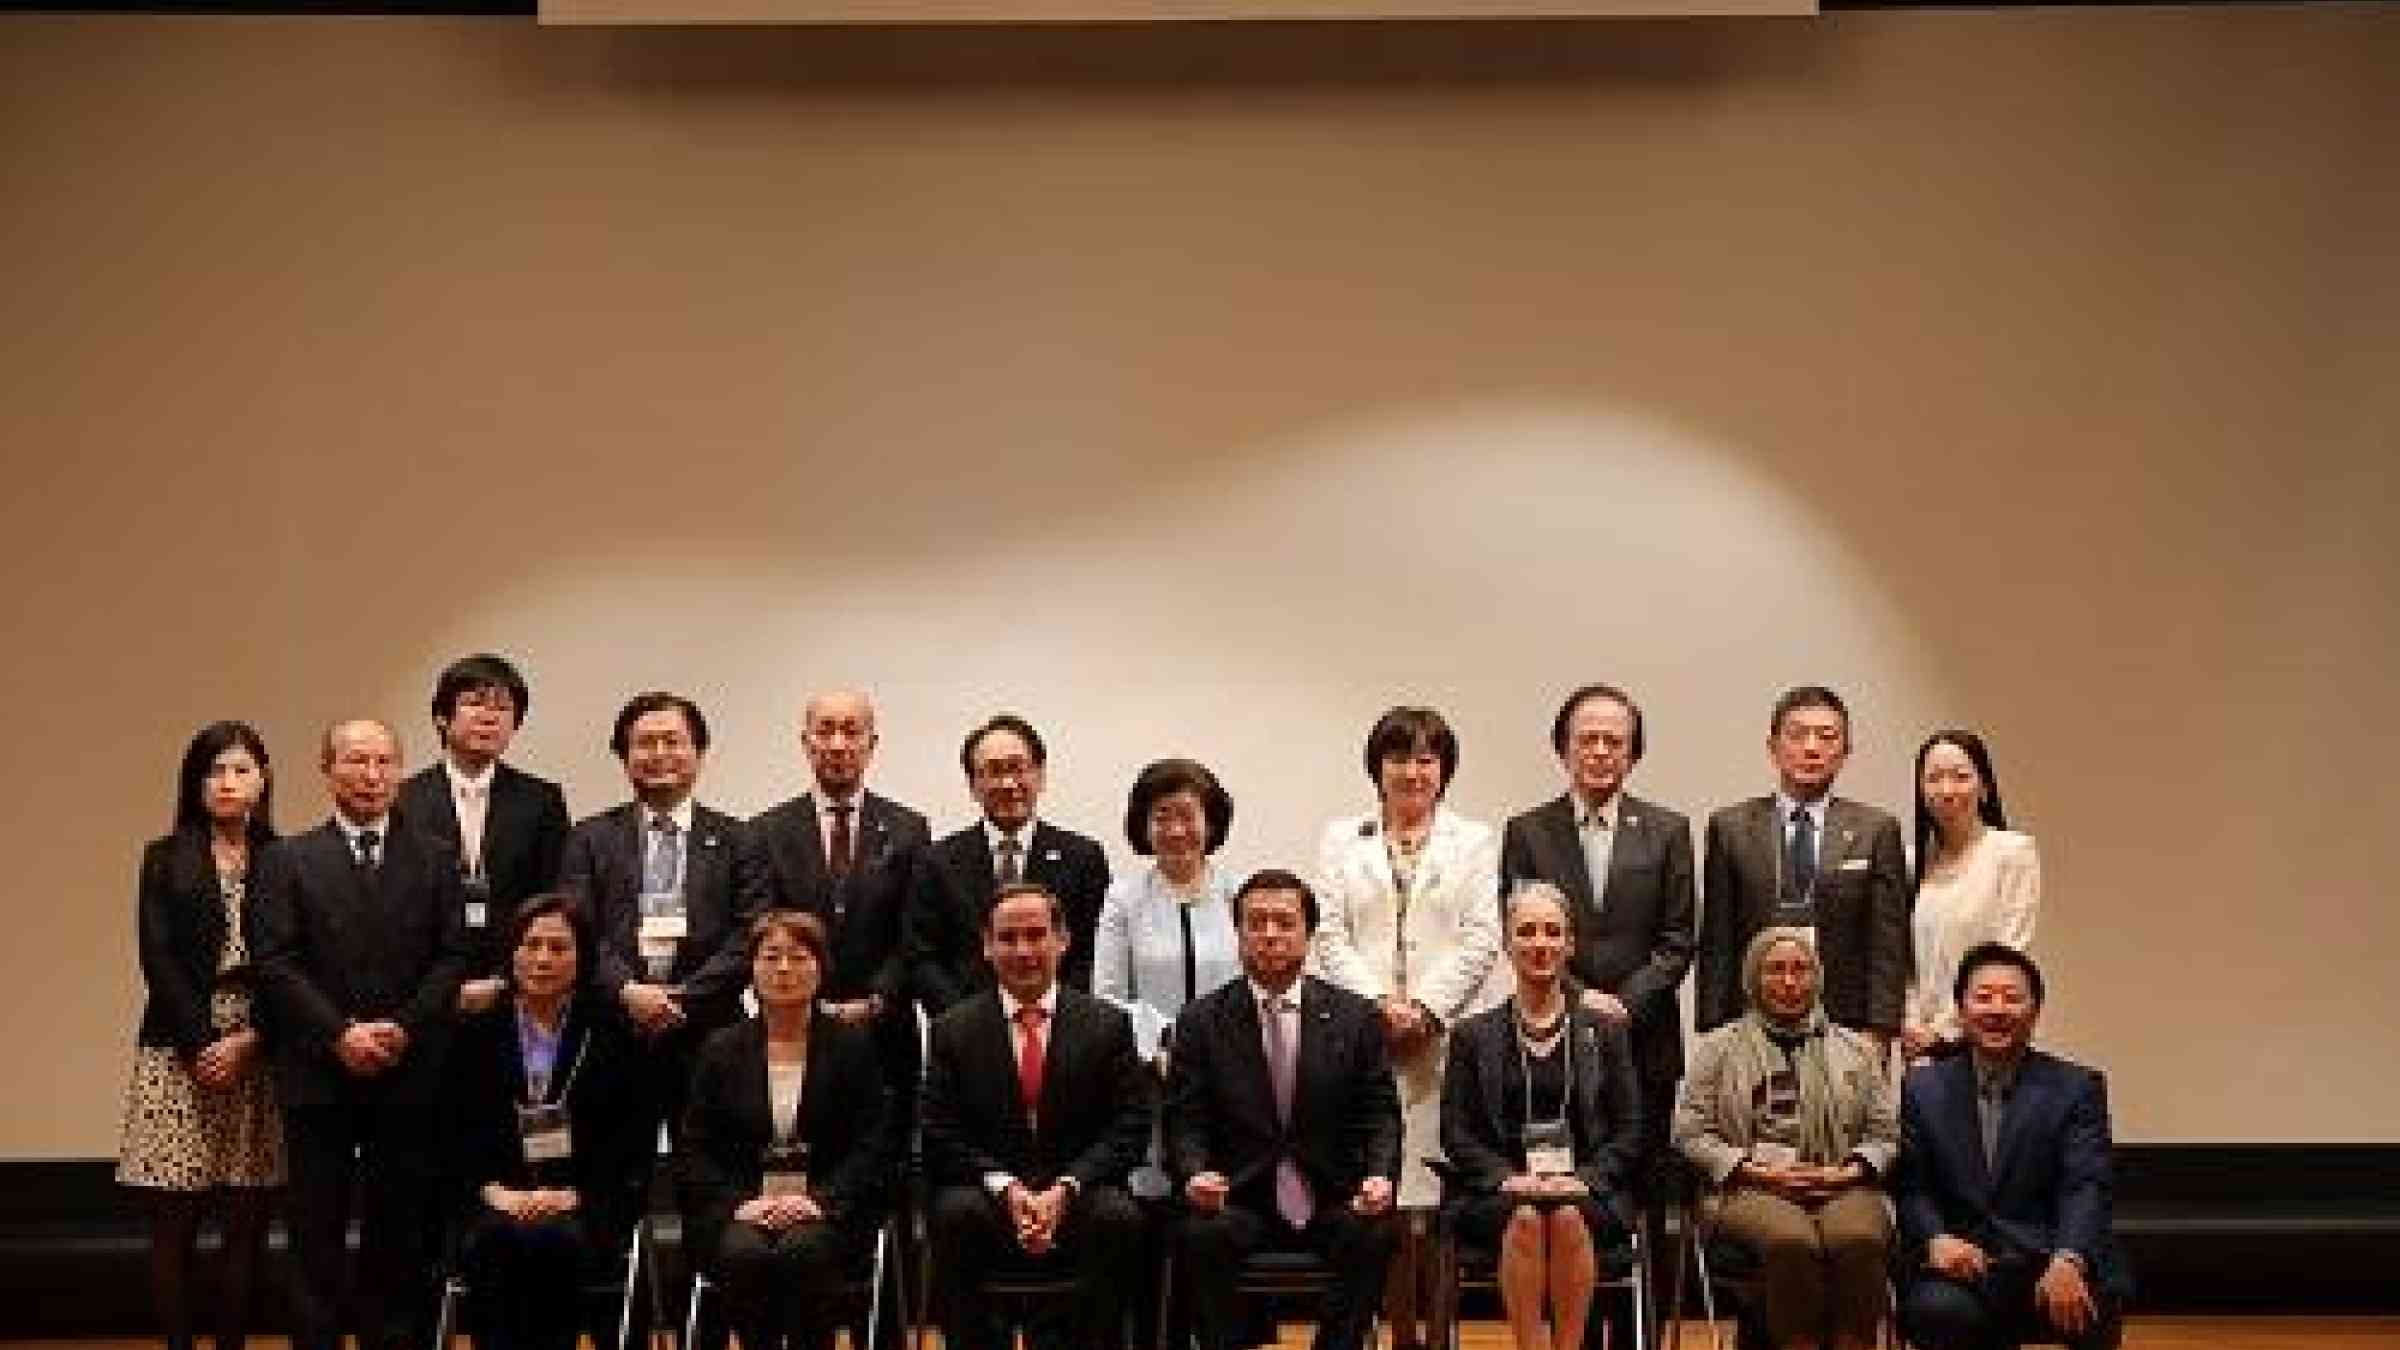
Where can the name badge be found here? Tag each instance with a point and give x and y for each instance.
(662, 928)
(1782, 1096)
(546, 1133)
(478, 914)
(1549, 1149)
(785, 1169)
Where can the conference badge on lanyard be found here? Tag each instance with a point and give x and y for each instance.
(1549, 1148)
(785, 1167)
(547, 1135)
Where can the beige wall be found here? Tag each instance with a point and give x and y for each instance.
(1206, 390)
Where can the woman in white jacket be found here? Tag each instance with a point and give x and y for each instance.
(1411, 919)
(1977, 881)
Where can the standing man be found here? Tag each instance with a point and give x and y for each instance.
(356, 932)
(672, 887)
(849, 857)
(1282, 1125)
(1004, 762)
(1808, 859)
(507, 828)
(1037, 1107)
(2002, 1186)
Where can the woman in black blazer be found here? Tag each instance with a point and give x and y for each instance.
(200, 1118)
(1541, 1121)
(545, 1132)
(786, 1170)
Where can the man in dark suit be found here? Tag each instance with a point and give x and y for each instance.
(1004, 762)
(355, 930)
(507, 828)
(1282, 1125)
(671, 886)
(2002, 1184)
(849, 857)
(1037, 1107)
(1807, 858)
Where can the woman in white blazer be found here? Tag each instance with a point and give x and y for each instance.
(1977, 881)
(1411, 919)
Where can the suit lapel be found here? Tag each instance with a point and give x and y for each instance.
(1557, 820)
(1966, 1126)
(440, 811)
(704, 861)
(1241, 1011)
(1316, 1023)
(1841, 831)
(1630, 850)
(1063, 1028)
(2026, 1099)
(339, 868)
(811, 827)
(1766, 841)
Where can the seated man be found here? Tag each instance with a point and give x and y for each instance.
(1282, 1125)
(1036, 1110)
(2003, 1181)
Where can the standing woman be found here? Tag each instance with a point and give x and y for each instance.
(1411, 919)
(201, 1126)
(786, 1171)
(1166, 933)
(1542, 1124)
(1977, 880)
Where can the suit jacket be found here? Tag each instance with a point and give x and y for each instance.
(2050, 1189)
(179, 921)
(1221, 1103)
(524, 835)
(954, 890)
(1862, 903)
(597, 1078)
(1453, 914)
(333, 945)
(724, 885)
(1606, 1111)
(863, 912)
(1093, 1120)
(1633, 931)
(728, 1123)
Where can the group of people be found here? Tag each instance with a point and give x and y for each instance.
(474, 1016)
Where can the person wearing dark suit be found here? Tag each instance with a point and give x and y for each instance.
(671, 886)
(1037, 1107)
(1805, 858)
(1005, 761)
(356, 931)
(202, 1131)
(1282, 1125)
(1541, 1123)
(849, 857)
(1625, 866)
(786, 1154)
(544, 1136)
(2002, 1187)
(507, 827)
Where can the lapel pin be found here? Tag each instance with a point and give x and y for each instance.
(1050, 855)
(708, 841)
(1631, 821)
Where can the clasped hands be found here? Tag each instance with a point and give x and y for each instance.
(1528, 1186)
(654, 1008)
(369, 1048)
(2061, 1293)
(1407, 1025)
(778, 1212)
(1802, 1184)
(1035, 1215)
(532, 1206)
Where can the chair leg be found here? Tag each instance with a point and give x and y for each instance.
(1708, 1292)
(883, 1247)
(1642, 1311)
(691, 1310)
(633, 1273)
(445, 1316)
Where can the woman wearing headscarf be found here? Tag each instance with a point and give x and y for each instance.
(1792, 1121)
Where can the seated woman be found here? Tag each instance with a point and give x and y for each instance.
(786, 1171)
(1792, 1120)
(1541, 1121)
(544, 1132)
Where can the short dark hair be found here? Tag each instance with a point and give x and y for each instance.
(1165, 778)
(1990, 810)
(656, 700)
(200, 756)
(1016, 890)
(579, 923)
(1009, 722)
(483, 670)
(1808, 696)
(1995, 954)
(1277, 879)
(797, 924)
(1404, 731)
(1566, 713)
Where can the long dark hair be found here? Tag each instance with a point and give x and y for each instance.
(191, 807)
(1990, 809)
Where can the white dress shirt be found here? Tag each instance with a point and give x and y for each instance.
(471, 798)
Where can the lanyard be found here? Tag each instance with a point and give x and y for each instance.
(1566, 1048)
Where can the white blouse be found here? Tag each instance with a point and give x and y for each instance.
(1990, 895)
(1137, 955)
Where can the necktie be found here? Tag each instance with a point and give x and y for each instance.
(1012, 869)
(1800, 863)
(1029, 1059)
(838, 856)
(1292, 1199)
(367, 842)
(1191, 959)
(660, 874)
(1994, 1102)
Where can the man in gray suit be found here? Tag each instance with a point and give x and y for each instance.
(1808, 858)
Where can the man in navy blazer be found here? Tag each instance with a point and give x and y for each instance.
(1005, 764)
(354, 929)
(506, 827)
(2002, 1183)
